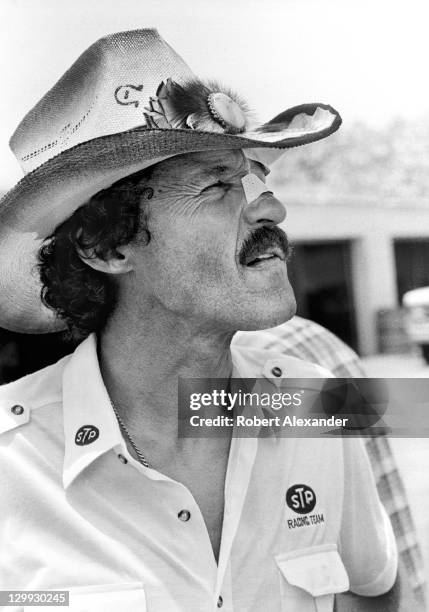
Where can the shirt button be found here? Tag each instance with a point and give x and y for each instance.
(122, 459)
(220, 602)
(17, 409)
(184, 515)
(276, 371)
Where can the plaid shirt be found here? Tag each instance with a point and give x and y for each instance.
(312, 342)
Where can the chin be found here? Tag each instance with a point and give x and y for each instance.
(269, 316)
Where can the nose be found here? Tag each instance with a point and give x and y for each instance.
(265, 209)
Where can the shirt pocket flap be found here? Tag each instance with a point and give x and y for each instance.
(318, 570)
(117, 597)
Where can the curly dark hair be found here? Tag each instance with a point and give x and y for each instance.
(81, 296)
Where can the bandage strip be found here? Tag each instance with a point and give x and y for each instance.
(253, 187)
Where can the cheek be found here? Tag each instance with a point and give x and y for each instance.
(191, 252)
(195, 273)
(203, 260)
(201, 242)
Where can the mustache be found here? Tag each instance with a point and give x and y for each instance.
(262, 239)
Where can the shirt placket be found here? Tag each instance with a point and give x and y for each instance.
(188, 516)
(240, 465)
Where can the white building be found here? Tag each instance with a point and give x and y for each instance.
(359, 257)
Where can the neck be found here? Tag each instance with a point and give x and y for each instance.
(141, 359)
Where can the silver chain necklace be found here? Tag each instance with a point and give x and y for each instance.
(139, 454)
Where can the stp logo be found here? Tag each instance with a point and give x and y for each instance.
(300, 498)
(86, 435)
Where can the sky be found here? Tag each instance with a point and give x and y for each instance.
(368, 58)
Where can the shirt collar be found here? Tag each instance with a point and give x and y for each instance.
(90, 425)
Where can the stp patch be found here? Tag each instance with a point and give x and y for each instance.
(86, 435)
(301, 498)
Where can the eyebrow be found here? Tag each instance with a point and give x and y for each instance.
(218, 170)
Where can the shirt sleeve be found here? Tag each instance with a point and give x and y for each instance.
(367, 544)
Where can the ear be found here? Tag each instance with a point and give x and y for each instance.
(117, 262)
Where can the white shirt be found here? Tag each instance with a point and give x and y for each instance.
(77, 517)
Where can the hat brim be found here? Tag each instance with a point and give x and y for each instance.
(51, 193)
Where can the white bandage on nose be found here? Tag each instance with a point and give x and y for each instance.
(253, 187)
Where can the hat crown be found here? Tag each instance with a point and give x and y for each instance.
(104, 92)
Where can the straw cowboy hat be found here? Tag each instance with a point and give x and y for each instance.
(128, 102)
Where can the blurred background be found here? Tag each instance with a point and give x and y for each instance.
(358, 202)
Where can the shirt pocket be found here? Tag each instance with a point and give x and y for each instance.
(117, 597)
(310, 577)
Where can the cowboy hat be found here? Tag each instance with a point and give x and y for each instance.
(128, 102)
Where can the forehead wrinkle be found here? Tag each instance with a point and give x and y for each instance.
(202, 168)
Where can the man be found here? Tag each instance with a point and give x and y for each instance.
(161, 240)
